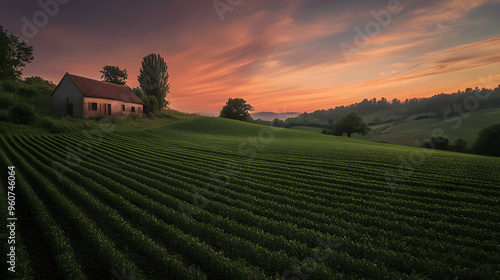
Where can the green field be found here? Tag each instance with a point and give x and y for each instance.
(467, 128)
(210, 198)
(308, 128)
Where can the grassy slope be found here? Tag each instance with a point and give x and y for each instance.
(308, 128)
(406, 133)
(228, 135)
(469, 128)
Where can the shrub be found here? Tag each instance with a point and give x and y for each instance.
(4, 116)
(27, 91)
(460, 145)
(22, 113)
(6, 100)
(277, 123)
(442, 143)
(488, 141)
(52, 125)
(96, 118)
(10, 86)
(437, 142)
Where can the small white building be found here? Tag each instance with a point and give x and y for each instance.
(81, 97)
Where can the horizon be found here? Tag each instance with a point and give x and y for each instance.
(298, 56)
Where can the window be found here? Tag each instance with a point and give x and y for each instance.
(132, 109)
(123, 108)
(94, 106)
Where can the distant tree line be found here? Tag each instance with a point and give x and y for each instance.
(439, 105)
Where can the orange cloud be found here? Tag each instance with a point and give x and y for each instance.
(281, 56)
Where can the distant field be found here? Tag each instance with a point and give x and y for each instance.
(407, 133)
(307, 128)
(211, 198)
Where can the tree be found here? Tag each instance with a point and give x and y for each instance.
(460, 145)
(138, 92)
(150, 104)
(114, 75)
(441, 143)
(38, 81)
(22, 113)
(350, 123)
(153, 79)
(277, 123)
(488, 141)
(14, 55)
(236, 109)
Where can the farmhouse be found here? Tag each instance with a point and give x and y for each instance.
(81, 97)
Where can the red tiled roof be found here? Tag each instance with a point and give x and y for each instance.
(98, 89)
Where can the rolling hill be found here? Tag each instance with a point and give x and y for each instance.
(211, 198)
(467, 127)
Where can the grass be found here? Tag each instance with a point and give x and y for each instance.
(468, 128)
(307, 128)
(212, 198)
(49, 124)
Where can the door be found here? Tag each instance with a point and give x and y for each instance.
(109, 109)
(69, 109)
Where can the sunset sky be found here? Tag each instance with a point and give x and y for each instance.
(281, 56)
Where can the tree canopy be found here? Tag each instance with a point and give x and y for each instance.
(153, 79)
(488, 142)
(113, 74)
(237, 109)
(14, 55)
(351, 123)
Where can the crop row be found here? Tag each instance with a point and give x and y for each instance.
(347, 206)
(265, 172)
(326, 194)
(61, 249)
(176, 239)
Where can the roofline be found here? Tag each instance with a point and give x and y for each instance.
(67, 74)
(60, 83)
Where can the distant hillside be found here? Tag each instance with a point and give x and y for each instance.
(378, 112)
(269, 116)
(412, 129)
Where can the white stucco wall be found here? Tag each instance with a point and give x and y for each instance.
(116, 107)
(68, 92)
